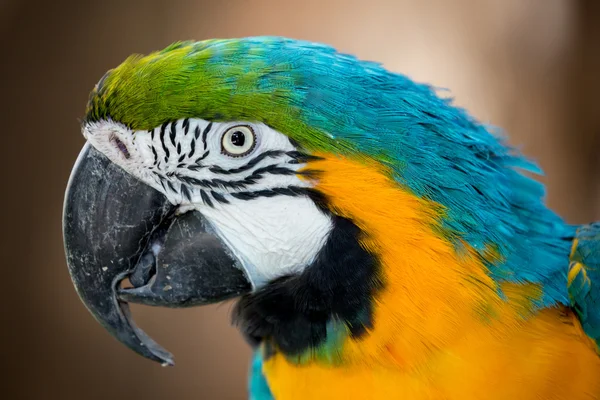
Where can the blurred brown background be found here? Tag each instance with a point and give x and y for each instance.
(531, 67)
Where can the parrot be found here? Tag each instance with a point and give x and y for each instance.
(378, 240)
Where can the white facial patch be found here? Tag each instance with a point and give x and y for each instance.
(272, 236)
(243, 177)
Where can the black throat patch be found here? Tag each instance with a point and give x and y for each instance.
(292, 312)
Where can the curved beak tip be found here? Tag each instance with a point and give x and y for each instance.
(112, 224)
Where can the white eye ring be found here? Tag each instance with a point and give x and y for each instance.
(238, 140)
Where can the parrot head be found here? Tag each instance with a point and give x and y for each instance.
(304, 181)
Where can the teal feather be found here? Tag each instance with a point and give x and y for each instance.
(258, 387)
(584, 282)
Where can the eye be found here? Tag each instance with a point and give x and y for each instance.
(238, 141)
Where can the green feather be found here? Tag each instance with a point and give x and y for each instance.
(217, 80)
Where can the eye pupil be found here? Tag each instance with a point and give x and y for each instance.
(238, 138)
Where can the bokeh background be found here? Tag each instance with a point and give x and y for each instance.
(530, 67)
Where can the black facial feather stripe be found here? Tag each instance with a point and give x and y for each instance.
(271, 153)
(205, 183)
(162, 140)
(237, 184)
(215, 183)
(282, 191)
(195, 167)
(205, 133)
(205, 199)
(301, 158)
(162, 183)
(202, 157)
(297, 158)
(274, 169)
(155, 155)
(185, 192)
(173, 133)
(218, 197)
(192, 148)
(171, 186)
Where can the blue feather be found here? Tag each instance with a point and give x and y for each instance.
(257, 385)
(584, 279)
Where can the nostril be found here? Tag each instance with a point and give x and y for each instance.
(121, 146)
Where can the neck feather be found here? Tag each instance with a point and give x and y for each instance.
(432, 289)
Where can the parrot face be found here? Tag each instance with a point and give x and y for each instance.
(244, 177)
(191, 212)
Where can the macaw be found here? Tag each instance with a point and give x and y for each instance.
(380, 241)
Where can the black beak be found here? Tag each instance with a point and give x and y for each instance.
(116, 227)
